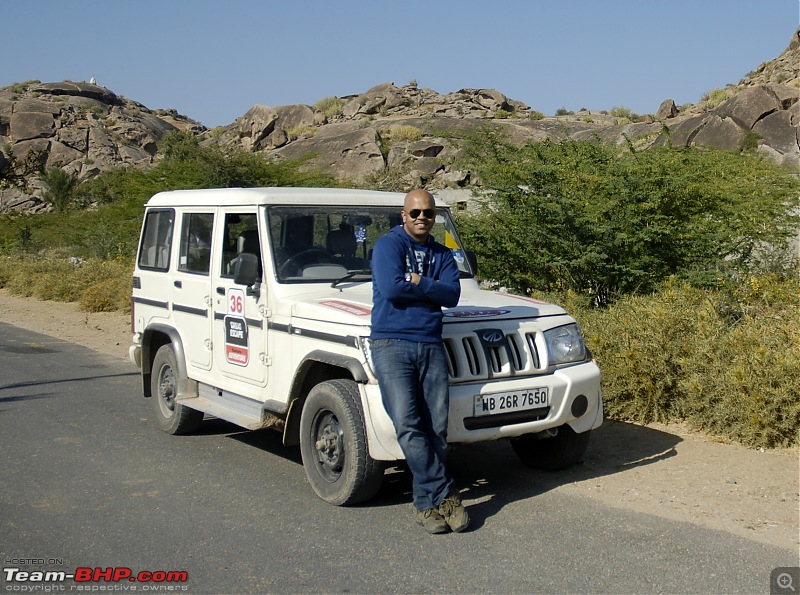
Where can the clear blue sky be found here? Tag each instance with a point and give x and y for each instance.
(213, 60)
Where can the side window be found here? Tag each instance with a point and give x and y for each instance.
(240, 235)
(195, 251)
(156, 240)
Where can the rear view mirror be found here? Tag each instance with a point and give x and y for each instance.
(472, 259)
(245, 269)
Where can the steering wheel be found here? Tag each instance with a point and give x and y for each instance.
(296, 262)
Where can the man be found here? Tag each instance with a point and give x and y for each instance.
(413, 277)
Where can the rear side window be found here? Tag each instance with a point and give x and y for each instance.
(195, 252)
(156, 240)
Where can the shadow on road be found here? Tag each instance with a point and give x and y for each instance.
(493, 475)
(44, 382)
(490, 472)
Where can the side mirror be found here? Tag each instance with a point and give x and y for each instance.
(245, 271)
(472, 259)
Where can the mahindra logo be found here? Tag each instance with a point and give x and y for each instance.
(492, 336)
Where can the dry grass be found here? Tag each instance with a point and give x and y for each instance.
(97, 285)
(726, 361)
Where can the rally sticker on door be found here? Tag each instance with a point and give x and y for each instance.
(237, 347)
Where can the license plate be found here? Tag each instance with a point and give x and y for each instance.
(510, 402)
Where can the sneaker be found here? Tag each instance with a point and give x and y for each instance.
(454, 512)
(432, 521)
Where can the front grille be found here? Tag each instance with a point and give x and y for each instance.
(491, 353)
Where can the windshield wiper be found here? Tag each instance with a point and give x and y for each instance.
(352, 274)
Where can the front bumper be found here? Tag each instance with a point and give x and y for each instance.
(565, 386)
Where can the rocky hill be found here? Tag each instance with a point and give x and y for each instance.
(386, 131)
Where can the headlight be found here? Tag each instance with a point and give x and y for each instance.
(565, 345)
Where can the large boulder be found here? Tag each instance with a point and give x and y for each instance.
(254, 126)
(720, 133)
(779, 130)
(89, 90)
(667, 110)
(292, 120)
(749, 106)
(28, 125)
(349, 156)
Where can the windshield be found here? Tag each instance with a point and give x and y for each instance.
(326, 243)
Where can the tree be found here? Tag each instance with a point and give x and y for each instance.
(588, 217)
(60, 187)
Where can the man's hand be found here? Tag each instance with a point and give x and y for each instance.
(414, 279)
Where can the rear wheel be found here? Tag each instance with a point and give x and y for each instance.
(333, 443)
(552, 453)
(171, 416)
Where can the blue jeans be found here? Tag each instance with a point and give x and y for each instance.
(414, 389)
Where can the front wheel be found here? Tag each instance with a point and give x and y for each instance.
(172, 417)
(333, 443)
(552, 453)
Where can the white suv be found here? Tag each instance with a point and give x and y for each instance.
(253, 305)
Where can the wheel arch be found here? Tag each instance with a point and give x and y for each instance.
(154, 337)
(318, 366)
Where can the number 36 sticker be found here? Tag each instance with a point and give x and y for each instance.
(236, 302)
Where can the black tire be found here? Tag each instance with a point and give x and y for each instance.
(563, 450)
(333, 443)
(171, 416)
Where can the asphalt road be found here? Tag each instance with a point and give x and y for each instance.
(88, 481)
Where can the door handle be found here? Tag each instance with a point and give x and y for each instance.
(178, 284)
(221, 290)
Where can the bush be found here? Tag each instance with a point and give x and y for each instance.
(330, 106)
(624, 113)
(591, 218)
(301, 131)
(97, 285)
(725, 360)
(715, 97)
(60, 188)
(404, 132)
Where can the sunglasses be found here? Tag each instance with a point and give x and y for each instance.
(415, 213)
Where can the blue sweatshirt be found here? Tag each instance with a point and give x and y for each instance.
(402, 310)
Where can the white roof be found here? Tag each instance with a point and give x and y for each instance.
(268, 196)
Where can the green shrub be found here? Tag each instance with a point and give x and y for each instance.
(60, 187)
(593, 218)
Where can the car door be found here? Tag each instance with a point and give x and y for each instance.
(239, 325)
(191, 286)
